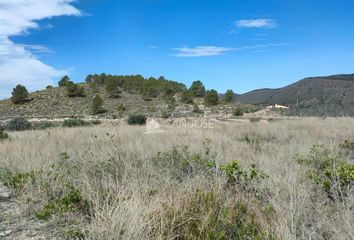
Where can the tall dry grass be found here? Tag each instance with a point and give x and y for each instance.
(131, 197)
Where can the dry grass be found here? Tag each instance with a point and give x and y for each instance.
(132, 197)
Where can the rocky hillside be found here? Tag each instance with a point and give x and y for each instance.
(316, 96)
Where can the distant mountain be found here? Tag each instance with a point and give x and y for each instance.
(315, 96)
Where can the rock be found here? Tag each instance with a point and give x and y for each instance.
(5, 233)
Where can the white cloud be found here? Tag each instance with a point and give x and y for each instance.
(201, 51)
(256, 23)
(204, 51)
(18, 64)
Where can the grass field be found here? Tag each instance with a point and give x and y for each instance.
(115, 182)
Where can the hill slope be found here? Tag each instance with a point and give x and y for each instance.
(317, 96)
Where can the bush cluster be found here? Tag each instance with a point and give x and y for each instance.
(18, 124)
(136, 119)
(334, 175)
(3, 135)
(74, 123)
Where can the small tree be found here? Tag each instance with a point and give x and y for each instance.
(198, 89)
(211, 98)
(19, 95)
(229, 96)
(97, 104)
(64, 81)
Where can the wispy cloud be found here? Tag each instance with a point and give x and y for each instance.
(201, 51)
(18, 64)
(205, 51)
(256, 23)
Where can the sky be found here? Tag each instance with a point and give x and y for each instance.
(227, 44)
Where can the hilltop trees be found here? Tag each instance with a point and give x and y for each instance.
(187, 96)
(74, 90)
(229, 96)
(19, 95)
(211, 98)
(64, 81)
(198, 89)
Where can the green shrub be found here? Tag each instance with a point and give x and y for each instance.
(17, 180)
(334, 175)
(70, 201)
(211, 98)
(237, 112)
(187, 97)
(74, 123)
(196, 109)
(96, 122)
(121, 108)
(181, 162)
(165, 114)
(42, 125)
(3, 135)
(74, 90)
(137, 119)
(255, 119)
(18, 124)
(19, 95)
(208, 213)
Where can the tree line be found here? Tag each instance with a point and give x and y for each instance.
(149, 88)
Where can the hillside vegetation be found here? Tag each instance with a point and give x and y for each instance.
(317, 96)
(116, 95)
(285, 179)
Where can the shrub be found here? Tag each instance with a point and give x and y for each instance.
(211, 98)
(237, 112)
(137, 119)
(255, 119)
(17, 180)
(121, 108)
(196, 109)
(211, 213)
(74, 90)
(74, 123)
(335, 176)
(70, 201)
(165, 114)
(42, 125)
(18, 124)
(3, 135)
(19, 95)
(96, 122)
(97, 104)
(187, 97)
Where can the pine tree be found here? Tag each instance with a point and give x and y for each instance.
(19, 95)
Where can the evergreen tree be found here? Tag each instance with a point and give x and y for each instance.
(198, 89)
(211, 98)
(229, 96)
(97, 104)
(19, 95)
(64, 81)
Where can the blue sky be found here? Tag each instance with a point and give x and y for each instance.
(237, 44)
